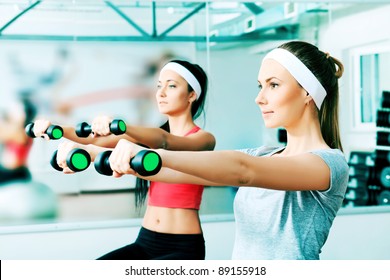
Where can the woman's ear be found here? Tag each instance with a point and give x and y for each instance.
(192, 96)
(308, 98)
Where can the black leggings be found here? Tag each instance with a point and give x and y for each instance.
(151, 245)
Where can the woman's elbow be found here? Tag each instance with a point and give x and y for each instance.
(243, 175)
(163, 142)
(210, 145)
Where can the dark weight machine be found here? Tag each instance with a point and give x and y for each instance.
(382, 152)
(369, 182)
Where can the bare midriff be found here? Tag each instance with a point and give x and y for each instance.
(172, 220)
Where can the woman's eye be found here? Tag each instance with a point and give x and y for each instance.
(158, 86)
(172, 86)
(274, 85)
(259, 86)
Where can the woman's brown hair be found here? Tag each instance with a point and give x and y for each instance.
(327, 70)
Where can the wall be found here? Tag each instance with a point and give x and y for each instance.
(359, 234)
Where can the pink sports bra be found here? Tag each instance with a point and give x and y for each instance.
(20, 151)
(187, 196)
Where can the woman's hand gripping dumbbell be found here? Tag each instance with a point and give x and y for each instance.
(144, 162)
(101, 126)
(44, 129)
(70, 157)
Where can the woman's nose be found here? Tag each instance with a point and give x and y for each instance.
(161, 91)
(260, 99)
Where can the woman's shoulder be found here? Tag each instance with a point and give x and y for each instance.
(334, 158)
(202, 136)
(330, 153)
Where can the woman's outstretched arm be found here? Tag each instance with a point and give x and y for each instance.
(233, 168)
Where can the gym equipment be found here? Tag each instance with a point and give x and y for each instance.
(54, 132)
(27, 200)
(145, 163)
(384, 177)
(357, 192)
(386, 99)
(382, 158)
(383, 198)
(383, 138)
(361, 158)
(117, 127)
(77, 160)
(358, 197)
(360, 172)
(379, 189)
(361, 165)
(383, 118)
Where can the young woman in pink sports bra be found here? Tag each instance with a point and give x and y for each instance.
(16, 144)
(171, 227)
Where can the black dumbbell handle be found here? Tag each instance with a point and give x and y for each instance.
(117, 127)
(83, 130)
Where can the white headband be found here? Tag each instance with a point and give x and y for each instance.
(186, 74)
(300, 72)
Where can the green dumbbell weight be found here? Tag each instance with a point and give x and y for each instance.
(117, 127)
(145, 163)
(77, 160)
(54, 132)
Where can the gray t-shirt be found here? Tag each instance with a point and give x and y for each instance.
(273, 224)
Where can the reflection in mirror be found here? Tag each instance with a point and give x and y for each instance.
(72, 82)
(78, 61)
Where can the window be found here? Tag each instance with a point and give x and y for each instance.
(369, 81)
(369, 87)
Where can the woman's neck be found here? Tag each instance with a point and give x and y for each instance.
(180, 125)
(304, 138)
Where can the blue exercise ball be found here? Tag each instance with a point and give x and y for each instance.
(27, 200)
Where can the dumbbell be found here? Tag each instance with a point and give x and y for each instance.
(117, 127)
(386, 99)
(384, 177)
(54, 132)
(383, 138)
(383, 118)
(358, 196)
(383, 198)
(145, 163)
(77, 160)
(382, 158)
